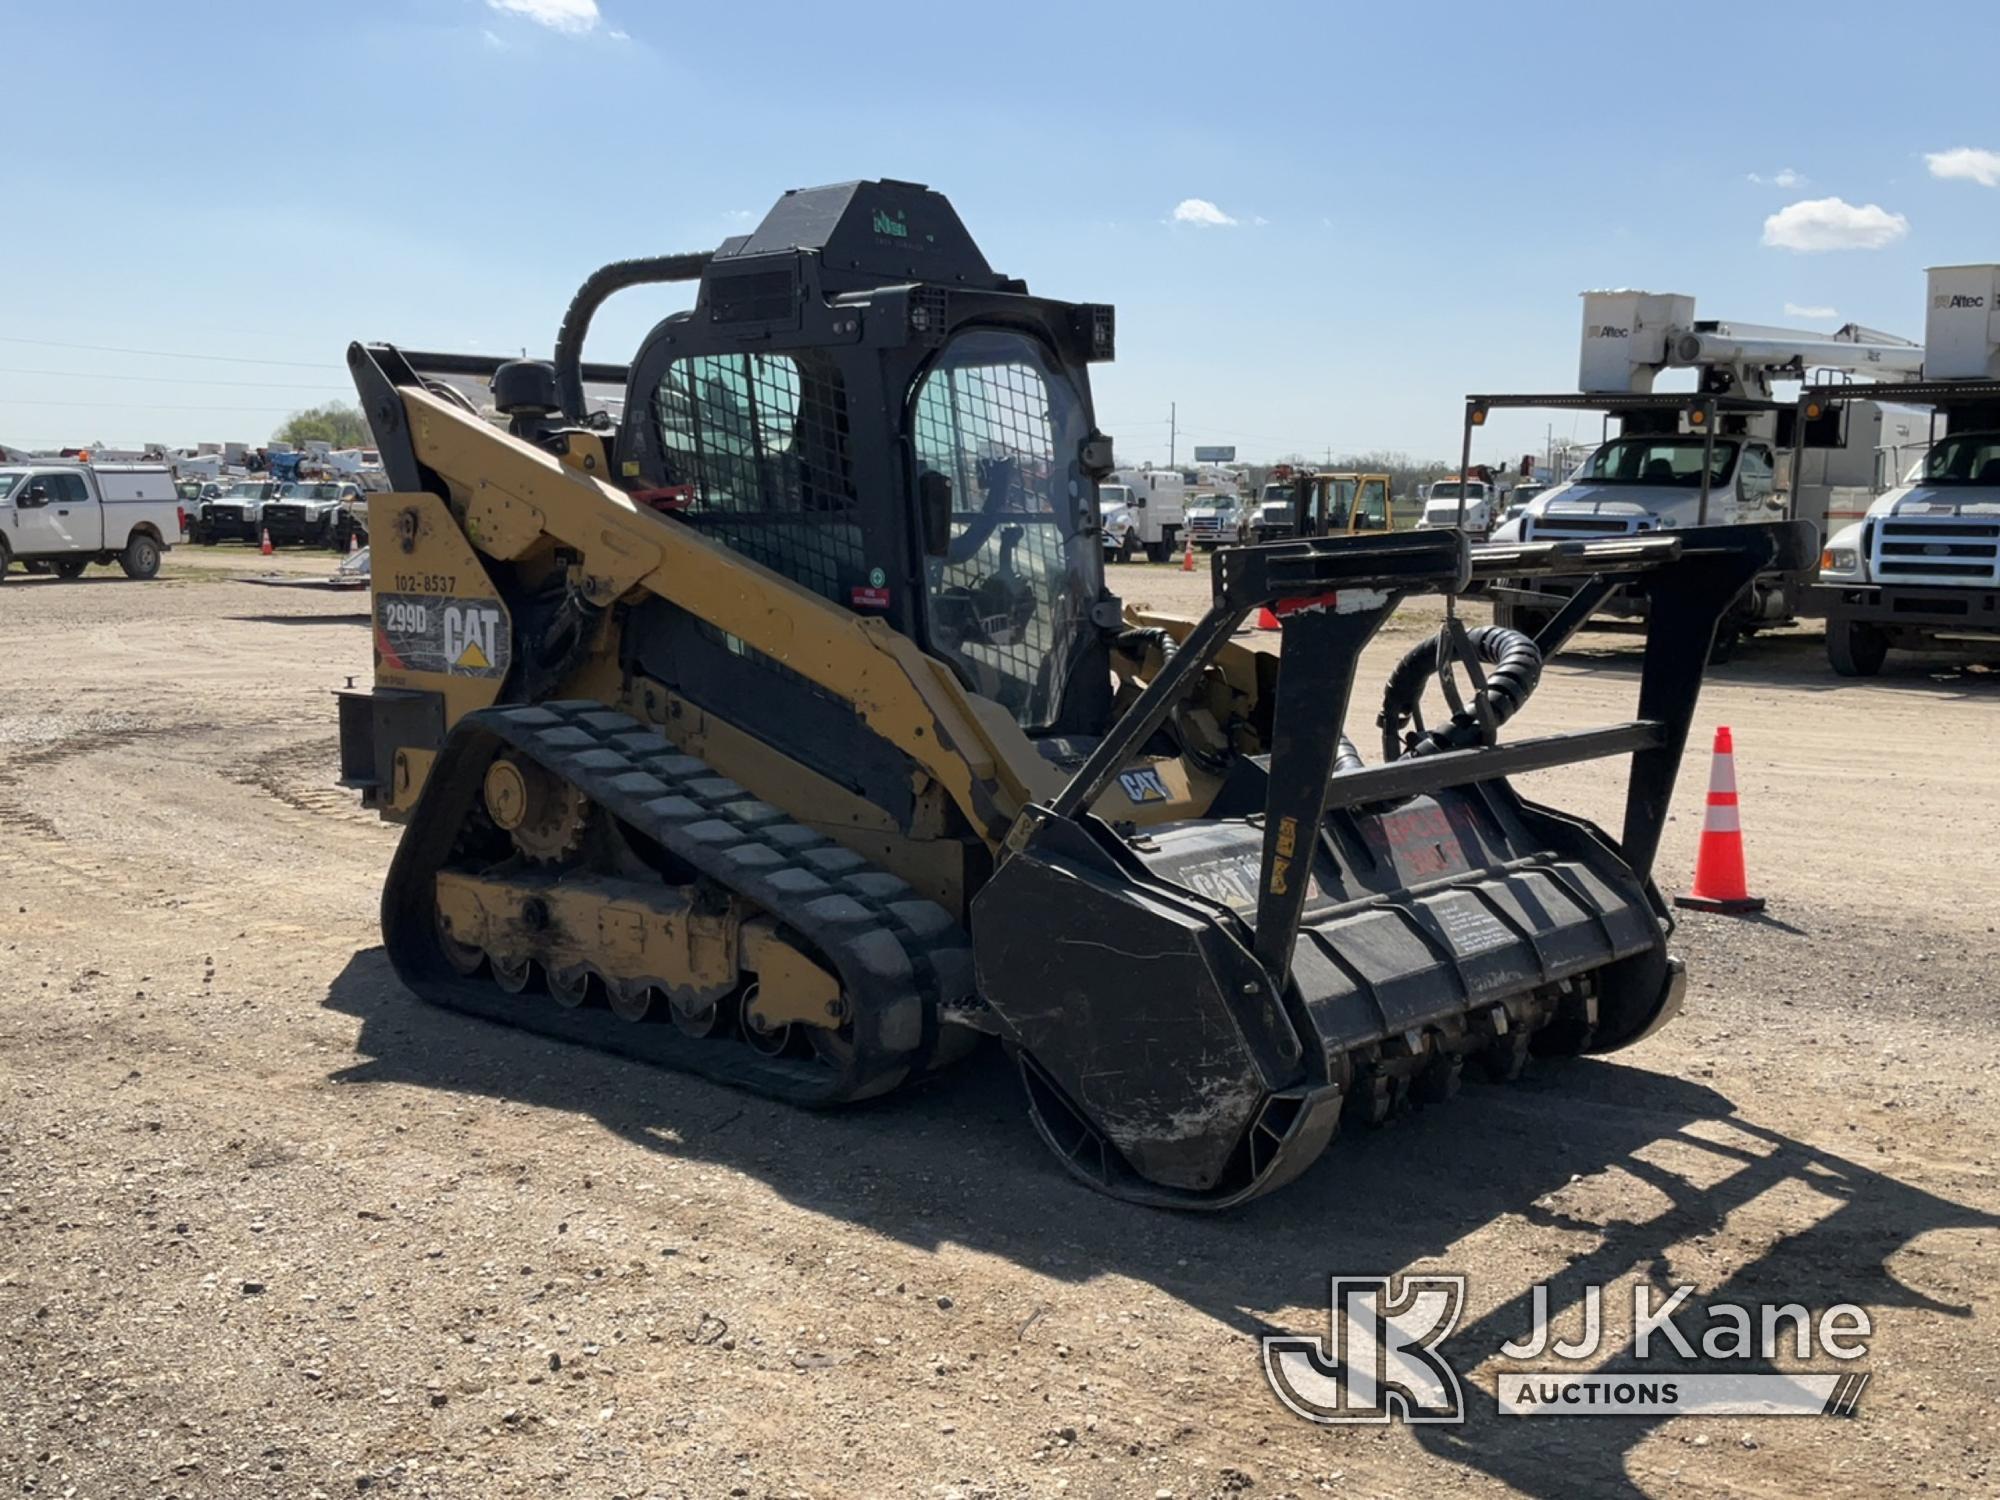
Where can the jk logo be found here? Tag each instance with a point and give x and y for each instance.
(1381, 1362)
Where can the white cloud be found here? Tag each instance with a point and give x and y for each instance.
(1833, 224)
(1200, 211)
(493, 39)
(572, 16)
(1785, 177)
(1817, 314)
(1968, 162)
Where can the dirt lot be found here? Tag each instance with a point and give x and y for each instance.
(272, 1228)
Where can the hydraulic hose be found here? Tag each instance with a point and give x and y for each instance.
(601, 285)
(1516, 666)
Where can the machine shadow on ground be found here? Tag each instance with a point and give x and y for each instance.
(361, 617)
(957, 1162)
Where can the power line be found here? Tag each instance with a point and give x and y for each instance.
(227, 359)
(139, 406)
(253, 385)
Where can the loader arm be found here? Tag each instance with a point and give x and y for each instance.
(513, 500)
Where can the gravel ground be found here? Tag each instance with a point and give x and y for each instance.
(273, 1229)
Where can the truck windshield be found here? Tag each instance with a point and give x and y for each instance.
(1967, 458)
(1660, 460)
(245, 492)
(1450, 491)
(1009, 603)
(1113, 494)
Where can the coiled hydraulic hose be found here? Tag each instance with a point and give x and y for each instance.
(1516, 666)
(602, 283)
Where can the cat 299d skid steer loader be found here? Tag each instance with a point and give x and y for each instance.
(781, 729)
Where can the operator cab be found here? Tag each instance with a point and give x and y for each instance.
(971, 521)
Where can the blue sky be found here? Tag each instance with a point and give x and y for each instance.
(1418, 192)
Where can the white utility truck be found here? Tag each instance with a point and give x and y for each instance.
(1143, 510)
(61, 516)
(1721, 454)
(1922, 567)
(1216, 520)
(1464, 501)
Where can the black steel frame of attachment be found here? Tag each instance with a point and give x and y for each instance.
(1331, 596)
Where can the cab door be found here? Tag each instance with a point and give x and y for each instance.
(35, 524)
(1756, 487)
(1371, 504)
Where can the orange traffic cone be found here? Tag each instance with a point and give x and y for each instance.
(265, 546)
(1187, 557)
(353, 542)
(1719, 884)
(1266, 620)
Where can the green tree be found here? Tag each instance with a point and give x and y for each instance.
(336, 422)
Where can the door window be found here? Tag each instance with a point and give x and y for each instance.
(1758, 472)
(1374, 512)
(1009, 604)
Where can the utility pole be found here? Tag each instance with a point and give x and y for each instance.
(1173, 431)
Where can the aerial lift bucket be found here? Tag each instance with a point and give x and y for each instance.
(1195, 1006)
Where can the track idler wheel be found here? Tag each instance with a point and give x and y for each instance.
(466, 959)
(699, 1022)
(514, 975)
(769, 1041)
(570, 986)
(632, 999)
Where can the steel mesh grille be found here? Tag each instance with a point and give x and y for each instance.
(762, 440)
(989, 428)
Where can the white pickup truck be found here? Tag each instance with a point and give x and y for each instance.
(62, 517)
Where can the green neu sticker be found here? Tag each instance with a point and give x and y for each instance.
(884, 224)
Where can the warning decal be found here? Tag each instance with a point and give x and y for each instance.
(452, 637)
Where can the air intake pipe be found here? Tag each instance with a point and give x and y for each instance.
(592, 295)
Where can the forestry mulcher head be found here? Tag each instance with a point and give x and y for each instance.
(783, 730)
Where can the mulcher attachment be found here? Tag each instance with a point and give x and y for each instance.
(1195, 1006)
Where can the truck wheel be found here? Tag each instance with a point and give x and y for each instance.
(71, 567)
(1128, 550)
(6, 557)
(1854, 649)
(141, 557)
(1511, 616)
(1157, 551)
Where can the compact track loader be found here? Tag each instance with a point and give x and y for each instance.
(781, 729)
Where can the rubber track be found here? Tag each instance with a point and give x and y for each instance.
(901, 959)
